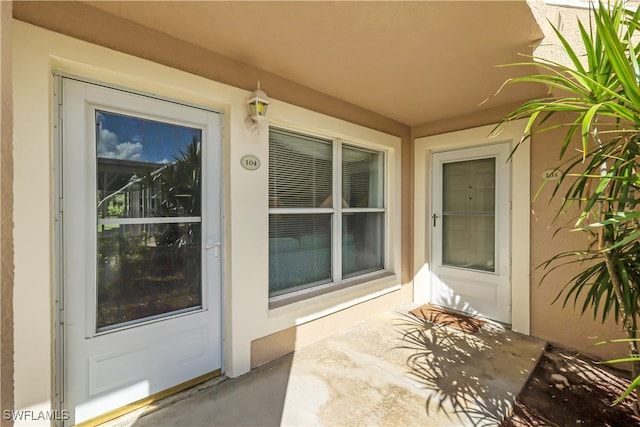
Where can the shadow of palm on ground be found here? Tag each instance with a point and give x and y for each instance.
(459, 370)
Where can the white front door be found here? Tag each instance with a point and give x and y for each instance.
(470, 225)
(141, 255)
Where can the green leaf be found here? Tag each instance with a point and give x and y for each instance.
(568, 50)
(587, 121)
(620, 340)
(616, 52)
(634, 384)
(603, 95)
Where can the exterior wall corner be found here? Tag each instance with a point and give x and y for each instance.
(6, 214)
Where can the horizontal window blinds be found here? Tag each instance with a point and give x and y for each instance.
(362, 178)
(300, 245)
(317, 237)
(300, 251)
(300, 170)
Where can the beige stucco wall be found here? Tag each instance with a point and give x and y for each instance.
(550, 321)
(564, 15)
(6, 214)
(247, 318)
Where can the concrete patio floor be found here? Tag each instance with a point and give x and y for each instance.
(391, 370)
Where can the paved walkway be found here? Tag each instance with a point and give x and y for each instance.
(392, 370)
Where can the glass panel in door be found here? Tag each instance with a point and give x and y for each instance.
(468, 239)
(148, 219)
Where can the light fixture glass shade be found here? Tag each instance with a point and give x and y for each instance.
(258, 105)
(258, 109)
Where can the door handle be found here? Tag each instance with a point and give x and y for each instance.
(435, 218)
(212, 244)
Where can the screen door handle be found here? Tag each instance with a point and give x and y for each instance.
(212, 244)
(435, 218)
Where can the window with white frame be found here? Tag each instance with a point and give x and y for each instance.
(326, 211)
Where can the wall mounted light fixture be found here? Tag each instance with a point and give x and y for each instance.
(258, 104)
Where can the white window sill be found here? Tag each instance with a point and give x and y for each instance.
(314, 303)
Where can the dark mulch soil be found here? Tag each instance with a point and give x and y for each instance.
(569, 389)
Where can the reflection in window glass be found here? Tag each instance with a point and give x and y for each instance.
(146, 168)
(299, 251)
(147, 266)
(362, 178)
(146, 270)
(362, 243)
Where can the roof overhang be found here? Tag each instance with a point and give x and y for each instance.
(414, 64)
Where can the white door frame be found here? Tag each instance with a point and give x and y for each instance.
(59, 350)
(520, 212)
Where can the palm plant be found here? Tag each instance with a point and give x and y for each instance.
(600, 170)
(180, 182)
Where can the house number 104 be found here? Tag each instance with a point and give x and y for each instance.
(250, 162)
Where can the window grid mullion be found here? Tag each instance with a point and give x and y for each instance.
(293, 211)
(337, 216)
(385, 201)
(359, 210)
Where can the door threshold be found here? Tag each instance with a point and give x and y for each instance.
(120, 416)
(476, 315)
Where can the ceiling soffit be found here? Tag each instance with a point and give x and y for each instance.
(412, 62)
